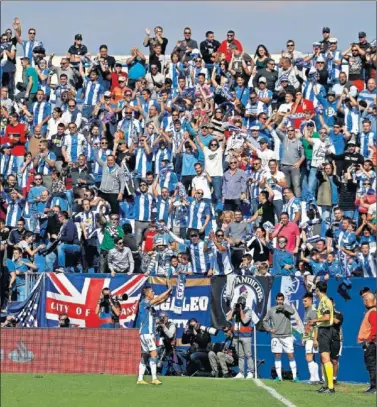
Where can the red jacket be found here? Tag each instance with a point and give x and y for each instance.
(19, 142)
(225, 50)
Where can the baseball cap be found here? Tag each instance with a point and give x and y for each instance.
(6, 145)
(362, 34)
(262, 79)
(118, 63)
(331, 92)
(333, 40)
(254, 128)
(78, 37)
(284, 78)
(122, 79)
(316, 44)
(122, 141)
(325, 29)
(263, 141)
(351, 143)
(320, 59)
(107, 94)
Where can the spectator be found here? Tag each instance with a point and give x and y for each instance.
(225, 46)
(120, 259)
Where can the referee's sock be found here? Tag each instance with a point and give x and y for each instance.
(329, 374)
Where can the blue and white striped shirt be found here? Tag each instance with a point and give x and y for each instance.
(8, 165)
(367, 140)
(44, 168)
(199, 256)
(198, 211)
(144, 204)
(292, 207)
(368, 96)
(75, 145)
(40, 112)
(93, 92)
(97, 170)
(143, 162)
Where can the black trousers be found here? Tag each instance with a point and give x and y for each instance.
(232, 204)
(370, 362)
(112, 199)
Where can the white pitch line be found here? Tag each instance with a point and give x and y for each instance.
(273, 393)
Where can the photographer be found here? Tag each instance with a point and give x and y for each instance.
(10, 322)
(64, 321)
(108, 307)
(167, 332)
(241, 317)
(199, 340)
(225, 356)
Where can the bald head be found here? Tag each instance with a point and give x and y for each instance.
(369, 299)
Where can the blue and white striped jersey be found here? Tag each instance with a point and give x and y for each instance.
(93, 92)
(147, 316)
(221, 261)
(28, 47)
(40, 112)
(44, 168)
(75, 145)
(144, 204)
(367, 96)
(198, 210)
(366, 141)
(143, 162)
(292, 207)
(162, 209)
(8, 165)
(14, 210)
(200, 258)
(254, 187)
(168, 179)
(159, 155)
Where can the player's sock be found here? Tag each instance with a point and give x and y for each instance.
(278, 368)
(292, 365)
(153, 365)
(142, 368)
(329, 373)
(313, 369)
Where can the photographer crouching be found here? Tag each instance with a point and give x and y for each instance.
(241, 318)
(108, 308)
(198, 336)
(167, 351)
(224, 354)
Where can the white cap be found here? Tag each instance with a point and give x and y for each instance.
(262, 79)
(333, 39)
(320, 58)
(107, 93)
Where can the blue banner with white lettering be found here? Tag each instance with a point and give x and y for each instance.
(196, 300)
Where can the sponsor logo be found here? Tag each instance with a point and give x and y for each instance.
(21, 354)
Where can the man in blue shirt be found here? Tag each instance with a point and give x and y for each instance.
(283, 262)
(147, 316)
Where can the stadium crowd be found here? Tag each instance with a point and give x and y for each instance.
(209, 160)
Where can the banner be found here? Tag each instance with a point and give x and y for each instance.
(77, 295)
(196, 302)
(225, 291)
(50, 350)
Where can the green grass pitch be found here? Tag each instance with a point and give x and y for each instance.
(89, 390)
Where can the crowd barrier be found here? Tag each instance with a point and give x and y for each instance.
(49, 350)
(206, 299)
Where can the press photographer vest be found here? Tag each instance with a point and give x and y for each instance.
(365, 332)
(242, 330)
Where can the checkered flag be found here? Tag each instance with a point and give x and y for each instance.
(26, 311)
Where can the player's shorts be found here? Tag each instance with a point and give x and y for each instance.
(324, 339)
(309, 347)
(282, 345)
(148, 343)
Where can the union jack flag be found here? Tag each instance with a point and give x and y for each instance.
(77, 295)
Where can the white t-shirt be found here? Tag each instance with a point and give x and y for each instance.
(278, 191)
(201, 182)
(320, 148)
(214, 162)
(266, 156)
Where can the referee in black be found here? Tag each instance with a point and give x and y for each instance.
(337, 339)
(325, 322)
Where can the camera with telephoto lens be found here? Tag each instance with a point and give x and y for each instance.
(192, 325)
(108, 299)
(238, 306)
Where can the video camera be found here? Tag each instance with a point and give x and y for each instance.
(107, 299)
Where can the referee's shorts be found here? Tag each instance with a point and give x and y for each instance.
(325, 337)
(335, 345)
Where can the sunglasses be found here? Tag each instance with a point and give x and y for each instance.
(104, 143)
(32, 32)
(282, 241)
(214, 145)
(233, 162)
(220, 235)
(71, 105)
(120, 243)
(194, 235)
(199, 193)
(290, 45)
(187, 32)
(143, 185)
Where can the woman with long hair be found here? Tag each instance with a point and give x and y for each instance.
(261, 56)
